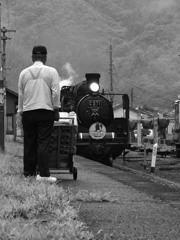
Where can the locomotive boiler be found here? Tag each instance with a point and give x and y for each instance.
(100, 137)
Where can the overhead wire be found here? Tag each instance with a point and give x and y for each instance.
(144, 90)
(140, 88)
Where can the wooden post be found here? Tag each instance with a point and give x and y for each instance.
(14, 127)
(154, 154)
(145, 155)
(124, 160)
(139, 135)
(155, 130)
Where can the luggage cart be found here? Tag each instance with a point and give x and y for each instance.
(63, 147)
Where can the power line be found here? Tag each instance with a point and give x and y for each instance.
(140, 88)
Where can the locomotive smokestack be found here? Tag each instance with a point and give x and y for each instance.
(92, 76)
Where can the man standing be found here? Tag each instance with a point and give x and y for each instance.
(38, 107)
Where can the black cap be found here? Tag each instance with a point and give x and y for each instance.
(39, 50)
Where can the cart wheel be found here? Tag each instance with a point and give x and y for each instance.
(74, 173)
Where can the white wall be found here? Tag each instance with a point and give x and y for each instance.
(119, 113)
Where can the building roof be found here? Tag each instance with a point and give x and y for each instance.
(145, 110)
(120, 106)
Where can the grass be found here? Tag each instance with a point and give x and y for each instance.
(34, 210)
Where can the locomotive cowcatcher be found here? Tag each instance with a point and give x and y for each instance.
(100, 137)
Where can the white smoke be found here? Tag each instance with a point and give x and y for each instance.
(71, 73)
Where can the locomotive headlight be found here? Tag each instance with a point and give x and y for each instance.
(94, 87)
(93, 82)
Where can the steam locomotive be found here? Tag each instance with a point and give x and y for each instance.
(100, 137)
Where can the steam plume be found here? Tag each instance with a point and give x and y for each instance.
(71, 73)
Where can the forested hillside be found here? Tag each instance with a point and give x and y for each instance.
(144, 34)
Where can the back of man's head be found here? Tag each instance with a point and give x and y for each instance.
(39, 53)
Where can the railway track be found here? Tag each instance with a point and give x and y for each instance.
(153, 184)
(163, 184)
(167, 168)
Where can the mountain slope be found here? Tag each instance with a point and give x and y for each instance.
(144, 36)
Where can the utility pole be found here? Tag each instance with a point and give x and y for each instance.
(2, 90)
(111, 73)
(3, 68)
(4, 38)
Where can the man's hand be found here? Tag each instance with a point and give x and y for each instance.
(19, 119)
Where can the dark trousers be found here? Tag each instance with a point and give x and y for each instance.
(37, 127)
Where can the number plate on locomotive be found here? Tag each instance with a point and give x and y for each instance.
(95, 103)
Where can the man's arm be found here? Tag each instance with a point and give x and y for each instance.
(20, 95)
(55, 90)
(56, 95)
(20, 102)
